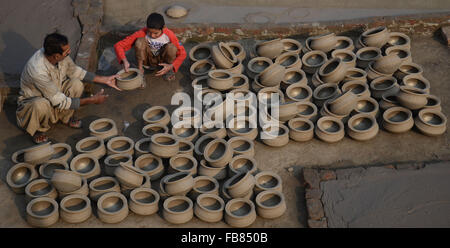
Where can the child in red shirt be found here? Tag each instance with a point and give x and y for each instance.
(155, 45)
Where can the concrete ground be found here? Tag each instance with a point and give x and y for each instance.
(386, 148)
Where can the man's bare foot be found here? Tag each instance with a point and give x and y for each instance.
(39, 138)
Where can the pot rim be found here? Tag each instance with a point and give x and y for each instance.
(236, 200)
(199, 141)
(329, 118)
(371, 100)
(242, 156)
(365, 116)
(187, 156)
(66, 147)
(76, 196)
(370, 68)
(246, 81)
(412, 90)
(287, 54)
(377, 80)
(314, 52)
(149, 126)
(395, 48)
(245, 139)
(384, 97)
(185, 175)
(379, 30)
(271, 192)
(435, 98)
(16, 154)
(175, 129)
(419, 77)
(100, 120)
(204, 164)
(339, 66)
(84, 155)
(347, 84)
(300, 71)
(401, 109)
(129, 69)
(298, 85)
(197, 47)
(292, 121)
(120, 138)
(356, 69)
(222, 46)
(103, 179)
(210, 179)
(411, 64)
(257, 59)
(42, 199)
(113, 156)
(281, 126)
(343, 38)
(108, 195)
(38, 181)
(52, 161)
(166, 135)
(137, 145)
(236, 44)
(215, 197)
(323, 86)
(292, 41)
(198, 63)
(310, 104)
(245, 176)
(435, 112)
(402, 35)
(198, 79)
(148, 190)
(160, 108)
(178, 197)
(33, 174)
(233, 130)
(189, 143)
(365, 49)
(87, 139)
(265, 173)
(210, 144)
(83, 184)
(144, 156)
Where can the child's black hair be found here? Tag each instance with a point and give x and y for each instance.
(155, 21)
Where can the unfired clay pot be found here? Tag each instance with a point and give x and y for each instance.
(299, 93)
(66, 180)
(270, 204)
(223, 56)
(412, 98)
(184, 133)
(408, 68)
(344, 43)
(103, 128)
(120, 145)
(218, 153)
(144, 201)
(399, 39)
(178, 209)
(220, 79)
(212, 130)
(200, 83)
(91, 145)
(239, 126)
(366, 55)
(375, 37)
(102, 185)
(126, 190)
(301, 129)
(293, 76)
(433, 102)
(242, 146)
(156, 115)
(270, 49)
(178, 183)
(417, 81)
(238, 50)
(272, 75)
(372, 74)
(114, 160)
(275, 136)
(355, 74)
(42, 212)
(40, 188)
(397, 120)
(242, 164)
(200, 52)
(325, 92)
(186, 117)
(387, 64)
(384, 85)
(201, 68)
(86, 165)
(289, 60)
(83, 190)
(150, 165)
(403, 53)
(240, 184)
(431, 122)
(38, 154)
(207, 170)
(344, 103)
(257, 65)
(268, 180)
(237, 68)
(46, 170)
(240, 212)
(19, 176)
(313, 60)
(359, 88)
(362, 127)
(75, 208)
(204, 185)
(142, 146)
(240, 81)
(291, 45)
(209, 208)
(348, 58)
(183, 163)
(129, 176)
(388, 101)
(186, 147)
(307, 110)
(151, 129)
(18, 156)
(330, 129)
(62, 152)
(325, 43)
(367, 105)
(130, 80)
(112, 207)
(164, 145)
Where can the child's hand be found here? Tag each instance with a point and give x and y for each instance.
(166, 68)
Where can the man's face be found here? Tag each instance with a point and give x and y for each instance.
(66, 52)
(154, 33)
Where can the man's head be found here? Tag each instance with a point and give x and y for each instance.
(56, 46)
(155, 25)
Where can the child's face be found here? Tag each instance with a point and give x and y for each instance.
(154, 33)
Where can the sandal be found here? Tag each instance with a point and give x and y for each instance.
(39, 138)
(74, 123)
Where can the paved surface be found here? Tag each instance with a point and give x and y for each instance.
(382, 197)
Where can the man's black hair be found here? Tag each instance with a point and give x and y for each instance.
(155, 21)
(53, 43)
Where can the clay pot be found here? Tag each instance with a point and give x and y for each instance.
(330, 129)
(103, 128)
(114, 160)
(359, 88)
(120, 145)
(240, 184)
(417, 81)
(291, 45)
(387, 64)
(399, 39)
(242, 164)
(186, 147)
(268, 180)
(112, 207)
(209, 208)
(150, 165)
(403, 53)
(266, 94)
(397, 120)
(242, 146)
(144, 201)
(200, 83)
(183, 163)
(240, 81)
(129, 176)
(412, 98)
(38, 154)
(343, 104)
(325, 92)
(256, 86)
(62, 152)
(201, 51)
(178, 209)
(126, 190)
(40, 188)
(201, 143)
(362, 127)
(18, 156)
(384, 85)
(218, 153)
(301, 129)
(366, 55)
(316, 81)
(86, 166)
(156, 115)
(270, 204)
(344, 43)
(204, 185)
(257, 65)
(324, 43)
(270, 49)
(275, 136)
(239, 126)
(348, 58)
(142, 147)
(293, 76)
(42, 212)
(287, 111)
(433, 102)
(164, 145)
(75, 208)
(185, 133)
(66, 180)
(201, 68)
(213, 130)
(46, 170)
(408, 68)
(130, 80)
(186, 117)
(207, 170)
(367, 105)
(83, 190)
(388, 101)
(360, 44)
(375, 37)
(238, 50)
(240, 212)
(289, 60)
(373, 74)
(307, 110)
(102, 185)
(272, 75)
(299, 93)
(223, 56)
(220, 79)
(178, 183)
(19, 176)
(238, 68)
(91, 145)
(151, 129)
(431, 122)
(325, 111)
(313, 60)
(226, 197)
(354, 74)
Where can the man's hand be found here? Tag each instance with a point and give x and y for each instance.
(99, 97)
(166, 68)
(108, 80)
(126, 65)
